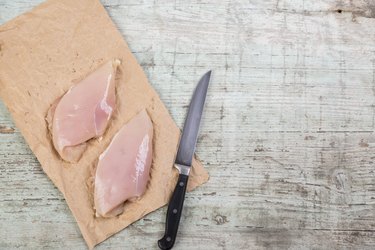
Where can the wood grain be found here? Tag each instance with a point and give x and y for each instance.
(287, 136)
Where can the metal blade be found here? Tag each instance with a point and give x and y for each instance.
(190, 132)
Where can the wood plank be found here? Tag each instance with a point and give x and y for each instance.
(288, 134)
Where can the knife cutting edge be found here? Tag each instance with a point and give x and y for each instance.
(184, 160)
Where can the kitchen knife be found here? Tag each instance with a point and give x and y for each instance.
(183, 161)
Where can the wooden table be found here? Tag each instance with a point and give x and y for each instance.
(287, 136)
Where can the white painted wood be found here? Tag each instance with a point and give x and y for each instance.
(288, 133)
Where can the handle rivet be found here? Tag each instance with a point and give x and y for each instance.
(175, 211)
(181, 184)
(169, 239)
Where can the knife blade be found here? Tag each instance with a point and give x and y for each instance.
(184, 160)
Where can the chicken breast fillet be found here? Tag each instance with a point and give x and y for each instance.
(123, 169)
(84, 111)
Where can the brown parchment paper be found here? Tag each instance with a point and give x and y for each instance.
(43, 53)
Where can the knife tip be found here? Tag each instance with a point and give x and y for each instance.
(208, 73)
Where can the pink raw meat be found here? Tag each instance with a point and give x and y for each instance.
(84, 111)
(124, 167)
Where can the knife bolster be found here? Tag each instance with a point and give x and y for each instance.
(182, 169)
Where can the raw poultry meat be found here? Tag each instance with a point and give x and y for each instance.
(123, 169)
(83, 112)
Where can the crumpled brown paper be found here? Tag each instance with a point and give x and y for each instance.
(43, 53)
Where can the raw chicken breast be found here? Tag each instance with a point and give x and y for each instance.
(124, 167)
(83, 112)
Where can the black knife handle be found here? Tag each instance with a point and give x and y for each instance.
(174, 213)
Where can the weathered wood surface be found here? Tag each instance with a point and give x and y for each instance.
(288, 132)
